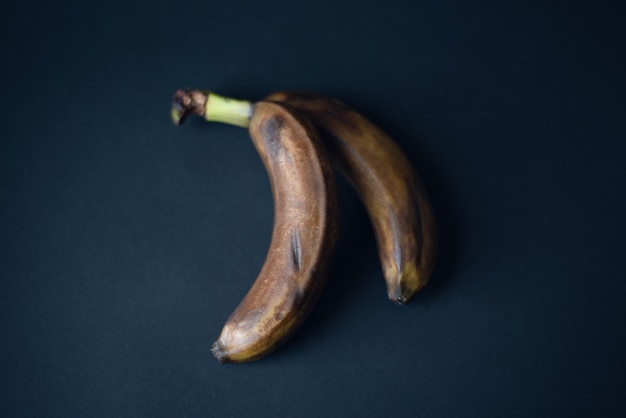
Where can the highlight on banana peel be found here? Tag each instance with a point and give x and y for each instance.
(300, 136)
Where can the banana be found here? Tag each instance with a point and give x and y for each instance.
(305, 221)
(392, 192)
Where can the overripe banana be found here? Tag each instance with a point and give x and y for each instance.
(392, 192)
(305, 221)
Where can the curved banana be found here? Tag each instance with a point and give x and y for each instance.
(305, 222)
(392, 192)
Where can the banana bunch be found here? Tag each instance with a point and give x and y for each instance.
(300, 137)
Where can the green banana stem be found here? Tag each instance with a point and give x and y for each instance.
(212, 107)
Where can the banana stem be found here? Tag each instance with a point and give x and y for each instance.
(212, 107)
(224, 109)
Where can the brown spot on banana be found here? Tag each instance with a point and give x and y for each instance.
(393, 194)
(303, 236)
(296, 249)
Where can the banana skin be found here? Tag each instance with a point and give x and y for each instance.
(392, 192)
(305, 222)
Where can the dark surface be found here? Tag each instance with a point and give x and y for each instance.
(126, 242)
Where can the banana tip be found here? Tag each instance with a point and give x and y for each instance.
(219, 354)
(398, 300)
(397, 296)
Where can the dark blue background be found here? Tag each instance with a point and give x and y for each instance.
(125, 242)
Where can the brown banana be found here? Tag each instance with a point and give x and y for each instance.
(393, 194)
(305, 221)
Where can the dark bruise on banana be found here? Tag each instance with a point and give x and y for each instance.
(305, 212)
